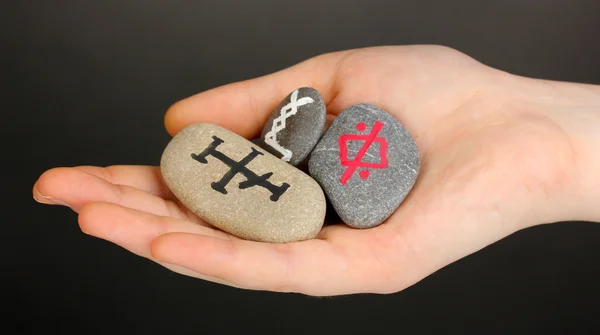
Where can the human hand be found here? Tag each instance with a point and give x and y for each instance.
(499, 153)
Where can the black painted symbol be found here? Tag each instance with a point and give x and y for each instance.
(252, 179)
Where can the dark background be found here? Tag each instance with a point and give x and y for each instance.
(88, 83)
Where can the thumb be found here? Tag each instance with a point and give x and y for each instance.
(243, 107)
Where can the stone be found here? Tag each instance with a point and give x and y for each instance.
(367, 163)
(241, 189)
(295, 126)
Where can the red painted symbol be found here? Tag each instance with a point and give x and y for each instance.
(357, 162)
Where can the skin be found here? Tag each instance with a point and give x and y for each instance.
(499, 153)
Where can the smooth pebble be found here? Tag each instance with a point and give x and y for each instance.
(241, 189)
(295, 126)
(367, 163)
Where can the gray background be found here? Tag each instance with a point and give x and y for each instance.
(88, 83)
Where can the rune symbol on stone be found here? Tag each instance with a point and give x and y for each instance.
(252, 179)
(280, 123)
(353, 164)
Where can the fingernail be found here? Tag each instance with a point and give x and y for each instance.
(48, 200)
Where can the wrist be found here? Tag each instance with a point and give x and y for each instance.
(574, 110)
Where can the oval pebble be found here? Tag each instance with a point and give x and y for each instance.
(295, 126)
(239, 188)
(367, 163)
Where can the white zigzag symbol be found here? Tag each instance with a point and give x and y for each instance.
(279, 123)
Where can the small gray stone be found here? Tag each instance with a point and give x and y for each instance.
(367, 163)
(239, 188)
(295, 126)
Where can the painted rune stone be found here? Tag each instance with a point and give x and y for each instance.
(239, 188)
(367, 163)
(295, 126)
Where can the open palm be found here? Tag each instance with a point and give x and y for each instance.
(491, 158)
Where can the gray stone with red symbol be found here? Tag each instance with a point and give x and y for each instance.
(367, 163)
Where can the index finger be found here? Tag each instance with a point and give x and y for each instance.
(243, 107)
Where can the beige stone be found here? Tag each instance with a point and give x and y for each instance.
(249, 213)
